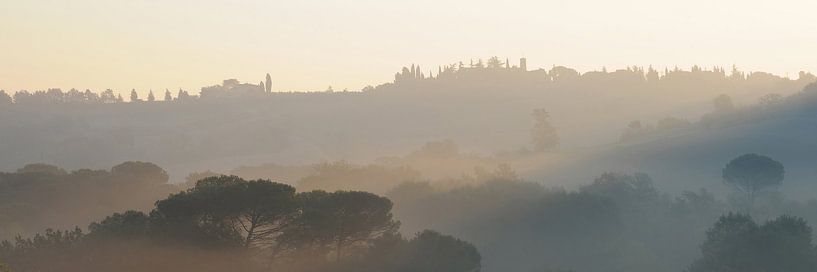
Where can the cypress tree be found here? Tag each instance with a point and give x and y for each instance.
(268, 86)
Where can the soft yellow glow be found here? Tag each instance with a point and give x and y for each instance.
(311, 44)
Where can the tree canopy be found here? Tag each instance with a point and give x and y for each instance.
(752, 173)
(252, 225)
(736, 243)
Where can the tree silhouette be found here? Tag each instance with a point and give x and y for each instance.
(134, 97)
(121, 225)
(543, 135)
(737, 243)
(268, 85)
(42, 168)
(141, 172)
(341, 220)
(770, 100)
(427, 251)
(168, 96)
(91, 97)
(108, 96)
(182, 95)
(432, 251)
(151, 98)
(5, 98)
(752, 173)
(495, 62)
(258, 210)
(723, 104)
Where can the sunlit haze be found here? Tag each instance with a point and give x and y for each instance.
(408, 136)
(309, 45)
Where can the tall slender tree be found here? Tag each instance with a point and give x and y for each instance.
(543, 135)
(268, 85)
(134, 97)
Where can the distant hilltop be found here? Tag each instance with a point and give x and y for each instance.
(494, 70)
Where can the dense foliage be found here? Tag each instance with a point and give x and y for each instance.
(619, 222)
(738, 243)
(226, 222)
(40, 195)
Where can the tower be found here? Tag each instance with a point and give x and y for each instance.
(523, 64)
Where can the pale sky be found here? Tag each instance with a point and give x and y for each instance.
(309, 45)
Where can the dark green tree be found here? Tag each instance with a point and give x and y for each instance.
(737, 244)
(427, 251)
(787, 245)
(144, 172)
(625, 190)
(751, 174)
(130, 224)
(432, 251)
(244, 213)
(261, 210)
(729, 246)
(340, 220)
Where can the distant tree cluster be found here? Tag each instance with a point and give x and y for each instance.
(56, 96)
(229, 88)
(413, 75)
(40, 195)
(619, 222)
(494, 64)
(725, 112)
(636, 130)
(737, 243)
(343, 175)
(309, 231)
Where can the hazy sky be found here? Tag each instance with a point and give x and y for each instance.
(309, 45)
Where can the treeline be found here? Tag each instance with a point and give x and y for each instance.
(725, 112)
(492, 68)
(485, 110)
(737, 243)
(74, 96)
(229, 223)
(40, 195)
(621, 222)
